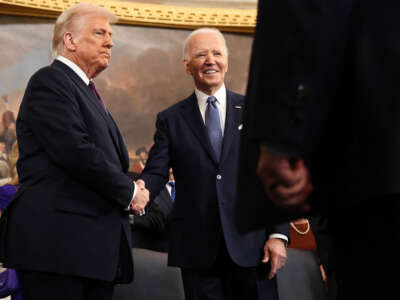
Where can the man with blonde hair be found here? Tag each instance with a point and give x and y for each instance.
(68, 233)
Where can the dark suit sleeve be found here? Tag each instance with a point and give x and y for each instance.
(155, 221)
(297, 60)
(283, 228)
(58, 124)
(155, 174)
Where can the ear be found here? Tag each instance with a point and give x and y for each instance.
(187, 67)
(69, 41)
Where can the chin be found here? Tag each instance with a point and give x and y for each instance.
(214, 84)
(104, 65)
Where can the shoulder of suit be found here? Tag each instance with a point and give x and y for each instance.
(177, 106)
(235, 96)
(50, 74)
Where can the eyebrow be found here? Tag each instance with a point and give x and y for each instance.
(104, 30)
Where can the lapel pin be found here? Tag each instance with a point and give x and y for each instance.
(238, 106)
(240, 127)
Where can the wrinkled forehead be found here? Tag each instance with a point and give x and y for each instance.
(90, 22)
(206, 42)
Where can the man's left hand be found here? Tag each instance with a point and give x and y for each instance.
(275, 253)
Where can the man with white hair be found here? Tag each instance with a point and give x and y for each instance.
(199, 138)
(68, 233)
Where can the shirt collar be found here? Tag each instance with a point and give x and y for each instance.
(220, 95)
(75, 68)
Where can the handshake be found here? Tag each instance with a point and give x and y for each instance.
(141, 198)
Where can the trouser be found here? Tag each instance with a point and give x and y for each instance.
(225, 280)
(49, 286)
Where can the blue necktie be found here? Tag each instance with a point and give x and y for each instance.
(172, 184)
(213, 125)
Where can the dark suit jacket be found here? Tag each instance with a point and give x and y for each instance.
(323, 85)
(68, 215)
(205, 189)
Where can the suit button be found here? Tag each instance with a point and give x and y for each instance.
(301, 92)
(219, 177)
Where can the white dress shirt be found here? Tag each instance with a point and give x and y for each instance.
(75, 68)
(169, 188)
(86, 80)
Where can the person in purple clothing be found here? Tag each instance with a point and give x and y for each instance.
(7, 192)
(8, 189)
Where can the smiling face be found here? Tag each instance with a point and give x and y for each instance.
(89, 45)
(207, 61)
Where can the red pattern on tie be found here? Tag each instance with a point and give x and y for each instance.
(93, 89)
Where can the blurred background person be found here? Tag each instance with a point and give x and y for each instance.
(7, 190)
(311, 234)
(9, 134)
(140, 162)
(3, 163)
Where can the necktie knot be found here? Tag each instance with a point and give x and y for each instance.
(91, 86)
(93, 89)
(211, 100)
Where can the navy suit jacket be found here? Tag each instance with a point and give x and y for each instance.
(68, 215)
(205, 188)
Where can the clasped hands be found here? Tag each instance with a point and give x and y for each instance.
(286, 180)
(141, 198)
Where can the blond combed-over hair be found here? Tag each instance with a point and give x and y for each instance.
(71, 17)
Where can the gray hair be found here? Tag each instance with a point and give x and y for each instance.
(70, 17)
(199, 31)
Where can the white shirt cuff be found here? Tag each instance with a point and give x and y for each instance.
(133, 196)
(279, 236)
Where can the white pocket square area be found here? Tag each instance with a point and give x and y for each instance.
(240, 127)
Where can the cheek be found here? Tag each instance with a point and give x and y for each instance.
(196, 71)
(223, 66)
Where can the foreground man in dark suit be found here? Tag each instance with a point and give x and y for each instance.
(324, 113)
(217, 262)
(68, 232)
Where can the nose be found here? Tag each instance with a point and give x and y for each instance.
(109, 42)
(210, 59)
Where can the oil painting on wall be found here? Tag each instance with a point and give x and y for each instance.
(146, 75)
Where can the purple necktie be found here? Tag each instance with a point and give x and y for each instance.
(93, 88)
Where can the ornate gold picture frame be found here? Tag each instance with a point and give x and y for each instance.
(227, 20)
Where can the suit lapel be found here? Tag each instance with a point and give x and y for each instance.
(119, 144)
(95, 103)
(233, 114)
(191, 114)
(84, 88)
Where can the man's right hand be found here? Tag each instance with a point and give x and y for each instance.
(286, 181)
(141, 198)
